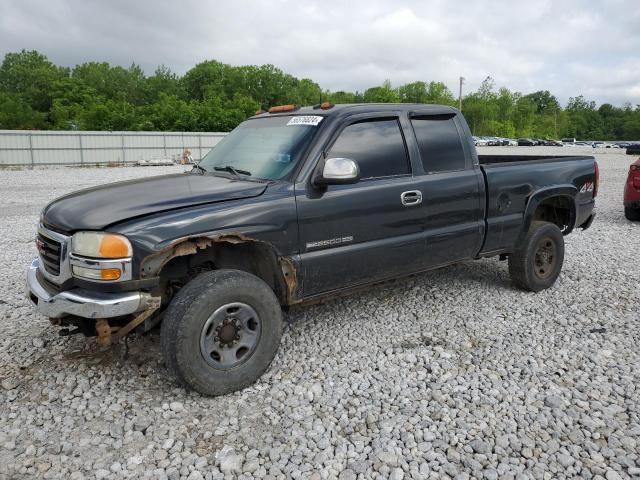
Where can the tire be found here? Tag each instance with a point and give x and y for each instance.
(537, 261)
(632, 214)
(212, 300)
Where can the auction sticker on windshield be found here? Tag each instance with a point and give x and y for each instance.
(305, 120)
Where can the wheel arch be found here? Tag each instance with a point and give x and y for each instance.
(554, 205)
(186, 257)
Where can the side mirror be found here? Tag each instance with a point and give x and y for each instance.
(337, 171)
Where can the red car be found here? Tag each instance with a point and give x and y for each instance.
(632, 192)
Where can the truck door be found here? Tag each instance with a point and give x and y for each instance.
(370, 230)
(452, 189)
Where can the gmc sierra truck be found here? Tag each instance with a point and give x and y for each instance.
(293, 205)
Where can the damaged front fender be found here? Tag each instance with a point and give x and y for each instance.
(265, 259)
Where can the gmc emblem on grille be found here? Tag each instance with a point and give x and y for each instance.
(40, 245)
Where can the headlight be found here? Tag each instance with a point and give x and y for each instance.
(101, 256)
(100, 245)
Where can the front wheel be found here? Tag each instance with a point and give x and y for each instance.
(221, 331)
(537, 261)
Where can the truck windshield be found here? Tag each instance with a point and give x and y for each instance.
(265, 148)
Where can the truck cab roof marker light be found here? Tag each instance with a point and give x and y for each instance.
(323, 106)
(283, 108)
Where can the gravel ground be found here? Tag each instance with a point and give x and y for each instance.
(450, 373)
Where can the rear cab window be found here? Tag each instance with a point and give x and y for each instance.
(439, 142)
(377, 145)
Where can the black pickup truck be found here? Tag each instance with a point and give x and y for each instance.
(293, 205)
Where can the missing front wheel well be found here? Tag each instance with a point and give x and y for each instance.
(253, 257)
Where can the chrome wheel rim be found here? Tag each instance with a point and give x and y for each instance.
(230, 335)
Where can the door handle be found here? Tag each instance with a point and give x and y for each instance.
(411, 198)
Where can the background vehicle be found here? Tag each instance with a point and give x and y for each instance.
(526, 142)
(632, 193)
(292, 206)
(633, 149)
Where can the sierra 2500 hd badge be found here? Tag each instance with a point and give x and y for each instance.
(329, 243)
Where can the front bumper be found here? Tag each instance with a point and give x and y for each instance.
(81, 302)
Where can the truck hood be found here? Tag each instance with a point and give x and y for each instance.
(98, 207)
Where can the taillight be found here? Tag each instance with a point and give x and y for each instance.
(596, 180)
(634, 173)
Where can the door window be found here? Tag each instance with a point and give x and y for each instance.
(439, 143)
(377, 146)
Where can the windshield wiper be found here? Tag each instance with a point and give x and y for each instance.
(195, 165)
(234, 171)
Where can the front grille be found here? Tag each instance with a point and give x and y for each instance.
(50, 251)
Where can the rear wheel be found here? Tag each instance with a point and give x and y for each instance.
(221, 331)
(537, 262)
(632, 214)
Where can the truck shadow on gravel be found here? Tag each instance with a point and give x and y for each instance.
(136, 351)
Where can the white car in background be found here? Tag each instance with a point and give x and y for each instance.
(480, 142)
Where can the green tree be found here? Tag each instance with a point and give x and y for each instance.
(544, 101)
(113, 83)
(206, 79)
(217, 114)
(169, 113)
(31, 75)
(163, 81)
(306, 92)
(584, 119)
(439, 93)
(343, 97)
(35, 93)
(382, 94)
(415, 92)
(631, 127)
(17, 114)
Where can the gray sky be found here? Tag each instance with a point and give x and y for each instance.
(570, 47)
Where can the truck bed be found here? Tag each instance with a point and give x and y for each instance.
(510, 180)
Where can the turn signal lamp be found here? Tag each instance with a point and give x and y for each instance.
(97, 274)
(110, 274)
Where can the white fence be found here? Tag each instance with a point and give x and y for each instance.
(40, 147)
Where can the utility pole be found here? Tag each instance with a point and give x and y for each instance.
(460, 94)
